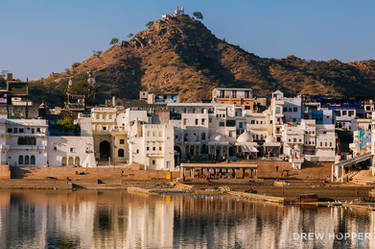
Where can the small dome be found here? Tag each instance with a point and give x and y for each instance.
(192, 138)
(245, 137)
(218, 138)
(270, 139)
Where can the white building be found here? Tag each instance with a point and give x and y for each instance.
(23, 142)
(152, 145)
(72, 150)
(313, 142)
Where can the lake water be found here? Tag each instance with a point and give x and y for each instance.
(115, 219)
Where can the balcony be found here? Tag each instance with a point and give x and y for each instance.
(27, 147)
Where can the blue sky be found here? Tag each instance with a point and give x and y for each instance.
(43, 36)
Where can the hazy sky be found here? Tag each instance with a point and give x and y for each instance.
(43, 36)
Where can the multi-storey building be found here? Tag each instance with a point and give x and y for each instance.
(23, 142)
(152, 145)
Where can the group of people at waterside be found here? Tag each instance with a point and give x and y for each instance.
(159, 132)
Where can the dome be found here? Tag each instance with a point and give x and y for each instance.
(270, 139)
(245, 137)
(218, 138)
(192, 138)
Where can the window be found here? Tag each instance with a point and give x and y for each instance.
(295, 109)
(153, 162)
(21, 130)
(231, 123)
(196, 121)
(278, 110)
(148, 148)
(221, 124)
(38, 130)
(240, 125)
(154, 148)
(71, 149)
(285, 109)
(26, 141)
(55, 148)
(32, 160)
(137, 151)
(203, 121)
(10, 130)
(185, 121)
(32, 130)
(20, 159)
(27, 160)
(104, 128)
(343, 113)
(203, 136)
(160, 148)
(120, 153)
(122, 141)
(15, 130)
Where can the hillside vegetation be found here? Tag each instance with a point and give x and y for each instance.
(179, 54)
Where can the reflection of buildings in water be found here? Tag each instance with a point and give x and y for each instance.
(117, 220)
(150, 224)
(25, 223)
(71, 223)
(4, 212)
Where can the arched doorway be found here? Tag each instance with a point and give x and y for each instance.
(177, 155)
(105, 150)
(70, 161)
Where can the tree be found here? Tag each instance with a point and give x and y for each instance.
(149, 24)
(198, 15)
(65, 125)
(114, 41)
(130, 35)
(97, 52)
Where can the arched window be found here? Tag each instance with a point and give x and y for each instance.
(20, 159)
(70, 161)
(120, 153)
(203, 136)
(63, 161)
(32, 160)
(77, 161)
(27, 160)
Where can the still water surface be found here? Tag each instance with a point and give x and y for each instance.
(115, 219)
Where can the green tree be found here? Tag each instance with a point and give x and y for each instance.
(198, 15)
(130, 35)
(65, 125)
(149, 24)
(114, 41)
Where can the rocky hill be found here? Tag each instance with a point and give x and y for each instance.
(179, 54)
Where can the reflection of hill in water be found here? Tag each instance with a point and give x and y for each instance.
(114, 219)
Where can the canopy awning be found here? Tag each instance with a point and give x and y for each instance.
(276, 144)
(248, 148)
(217, 143)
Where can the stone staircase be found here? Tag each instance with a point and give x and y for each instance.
(363, 177)
(91, 174)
